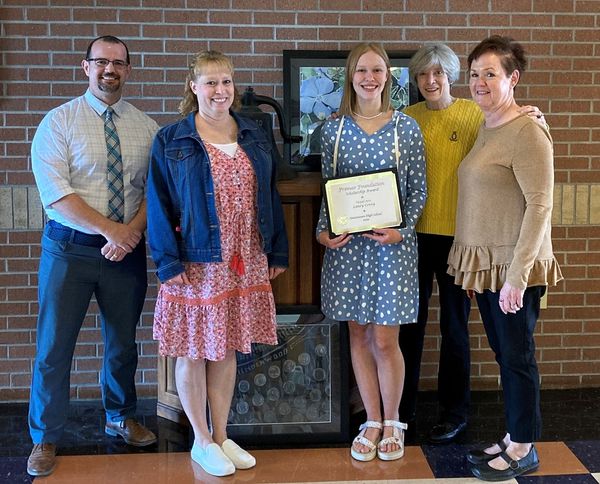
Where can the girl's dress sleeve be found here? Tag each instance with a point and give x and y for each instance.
(327, 142)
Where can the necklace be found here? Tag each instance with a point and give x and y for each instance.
(367, 117)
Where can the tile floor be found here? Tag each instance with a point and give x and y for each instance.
(569, 451)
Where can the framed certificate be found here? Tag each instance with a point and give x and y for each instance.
(360, 203)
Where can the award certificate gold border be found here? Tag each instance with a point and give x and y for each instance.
(360, 203)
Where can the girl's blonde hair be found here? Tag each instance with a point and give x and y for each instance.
(348, 103)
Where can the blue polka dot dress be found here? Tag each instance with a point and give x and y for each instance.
(364, 281)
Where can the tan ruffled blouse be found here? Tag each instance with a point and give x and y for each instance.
(503, 231)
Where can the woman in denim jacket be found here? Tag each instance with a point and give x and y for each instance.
(217, 236)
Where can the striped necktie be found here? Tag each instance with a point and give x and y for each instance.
(116, 199)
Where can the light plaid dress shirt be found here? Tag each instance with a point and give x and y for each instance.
(68, 155)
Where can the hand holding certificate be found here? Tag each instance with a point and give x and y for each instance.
(360, 203)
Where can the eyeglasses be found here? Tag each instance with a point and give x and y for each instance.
(101, 62)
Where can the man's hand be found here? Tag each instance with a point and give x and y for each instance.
(118, 235)
(122, 236)
(112, 252)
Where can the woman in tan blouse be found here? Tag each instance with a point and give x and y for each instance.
(502, 249)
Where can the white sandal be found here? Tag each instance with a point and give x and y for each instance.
(361, 439)
(397, 438)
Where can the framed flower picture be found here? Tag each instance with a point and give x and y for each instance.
(313, 82)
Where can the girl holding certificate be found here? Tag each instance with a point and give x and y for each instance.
(370, 279)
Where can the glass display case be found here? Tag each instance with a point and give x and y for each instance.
(297, 391)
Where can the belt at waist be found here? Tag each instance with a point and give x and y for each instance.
(62, 233)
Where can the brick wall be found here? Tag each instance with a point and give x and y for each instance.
(42, 44)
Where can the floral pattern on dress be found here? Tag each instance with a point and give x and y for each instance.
(227, 305)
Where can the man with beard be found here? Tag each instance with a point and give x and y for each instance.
(90, 160)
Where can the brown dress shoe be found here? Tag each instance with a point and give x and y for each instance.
(132, 432)
(42, 460)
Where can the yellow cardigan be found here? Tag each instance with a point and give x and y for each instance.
(448, 135)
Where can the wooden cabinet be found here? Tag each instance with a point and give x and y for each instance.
(301, 199)
(298, 286)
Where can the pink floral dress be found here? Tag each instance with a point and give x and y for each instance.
(229, 304)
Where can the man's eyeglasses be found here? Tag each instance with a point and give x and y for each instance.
(101, 62)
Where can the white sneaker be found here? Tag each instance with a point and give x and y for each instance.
(240, 458)
(213, 460)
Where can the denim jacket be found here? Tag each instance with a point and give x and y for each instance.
(182, 218)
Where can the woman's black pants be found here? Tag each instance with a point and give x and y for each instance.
(511, 338)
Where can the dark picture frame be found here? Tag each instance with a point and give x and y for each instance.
(397, 202)
(295, 392)
(312, 90)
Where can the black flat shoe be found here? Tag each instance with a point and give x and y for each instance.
(478, 456)
(527, 464)
(446, 432)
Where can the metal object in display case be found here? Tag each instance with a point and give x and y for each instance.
(297, 391)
